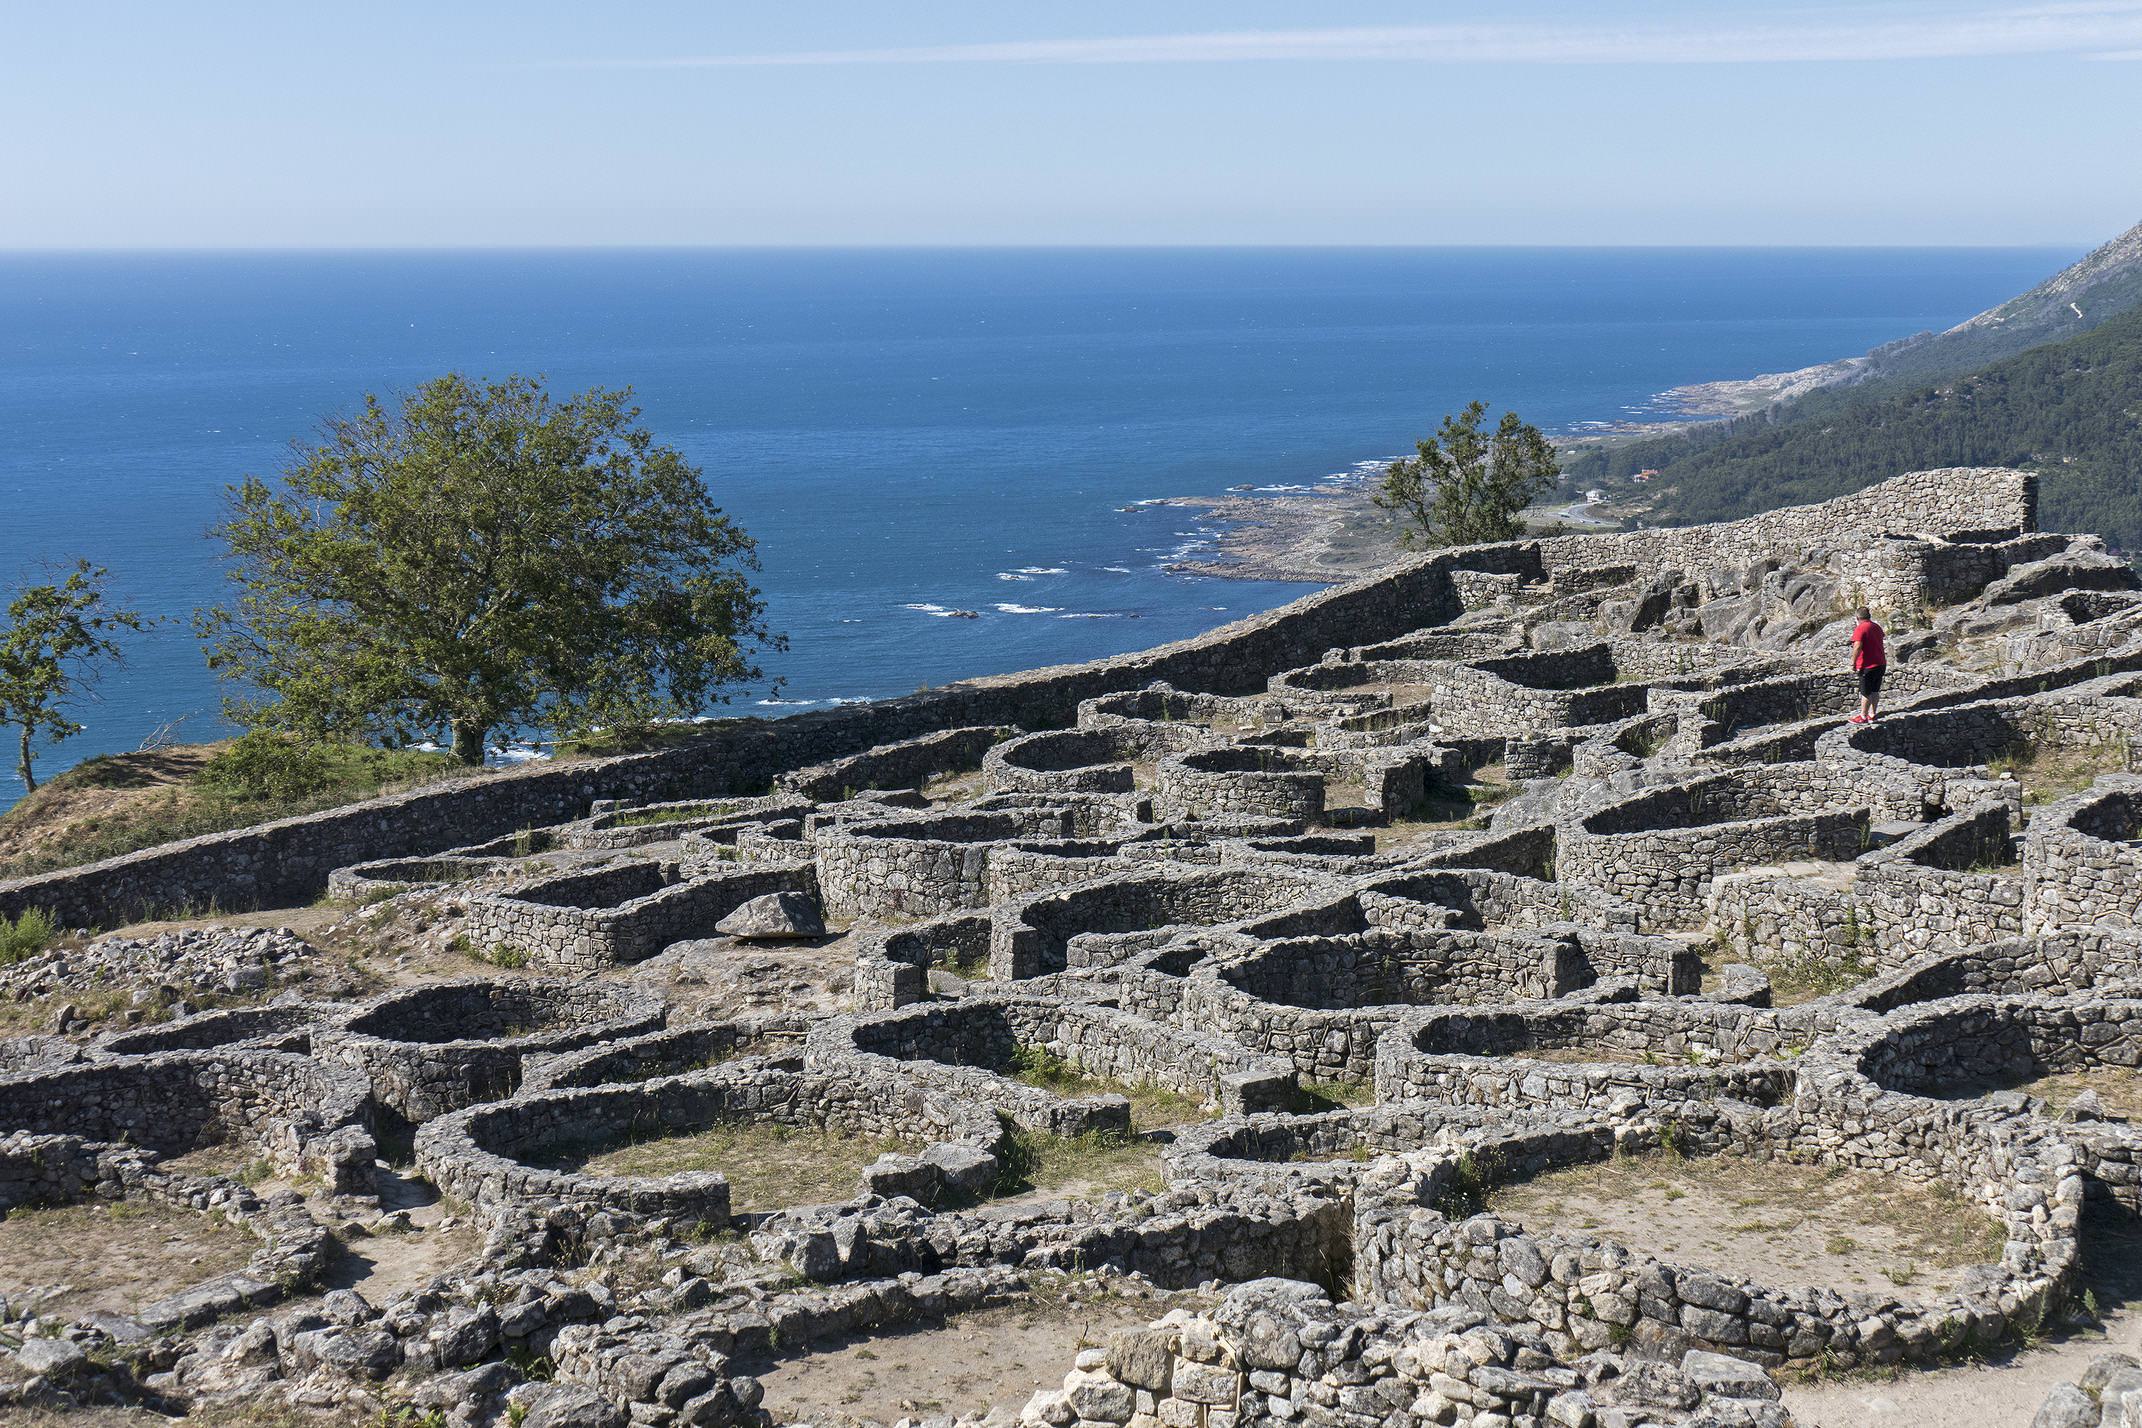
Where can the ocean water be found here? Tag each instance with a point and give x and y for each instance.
(906, 432)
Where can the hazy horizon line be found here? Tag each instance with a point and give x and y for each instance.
(146, 249)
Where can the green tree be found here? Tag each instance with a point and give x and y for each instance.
(1465, 486)
(482, 558)
(52, 650)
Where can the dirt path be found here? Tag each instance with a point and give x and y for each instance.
(1992, 1395)
(2004, 1393)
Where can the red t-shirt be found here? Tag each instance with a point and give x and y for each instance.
(1867, 646)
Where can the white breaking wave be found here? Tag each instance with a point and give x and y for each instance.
(939, 611)
(1028, 609)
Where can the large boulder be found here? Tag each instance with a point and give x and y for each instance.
(774, 917)
(2079, 567)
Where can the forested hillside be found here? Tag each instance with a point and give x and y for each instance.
(2079, 298)
(2070, 409)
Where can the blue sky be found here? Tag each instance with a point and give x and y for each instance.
(542, 122)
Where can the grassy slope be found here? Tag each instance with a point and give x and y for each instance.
(118, 803)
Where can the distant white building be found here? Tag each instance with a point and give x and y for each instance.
(1594, 496)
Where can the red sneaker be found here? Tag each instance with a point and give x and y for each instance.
(1859, 718)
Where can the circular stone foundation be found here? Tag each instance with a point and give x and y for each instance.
(300, 1115)
(666, 1053)
(270, 1028)
(2011, 1208)
(1282, 1154)
(1595, 1053)
(62, 1205)
(433, 1049)
(538, 1147)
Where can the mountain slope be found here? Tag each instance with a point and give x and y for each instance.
(2075, 300)
(2070, 409)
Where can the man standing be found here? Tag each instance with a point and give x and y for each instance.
(1871, 662)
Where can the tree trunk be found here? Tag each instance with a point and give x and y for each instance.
(29, 781)
(469, 741)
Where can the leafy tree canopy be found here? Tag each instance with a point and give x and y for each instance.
(55, 640)
(1464, 485)
(483, 557)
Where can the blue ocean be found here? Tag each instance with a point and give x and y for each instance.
(906, 432)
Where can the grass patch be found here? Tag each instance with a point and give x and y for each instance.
(769, 1166)
(1080, 1167)
(1447, 807)
(1465, 1193)
(2119, 1088)
(652, 817)
(265, 767)
(955, 788)
(100, 1003)
(1152, 1107)
(1803, 981)
(2049, 773)
(115, 1255)
(637, 739)
(969, 967)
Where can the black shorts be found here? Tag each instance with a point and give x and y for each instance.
(1870, 681)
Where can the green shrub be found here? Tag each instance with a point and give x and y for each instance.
(266, 766)
(263, 765)
(26, 936)
(1465, 1194)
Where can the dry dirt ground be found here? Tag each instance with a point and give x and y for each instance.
(1784, 1225)
(989, 1361)
(114, 1258)
(251, 1415)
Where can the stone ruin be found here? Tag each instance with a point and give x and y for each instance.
(1263, 981)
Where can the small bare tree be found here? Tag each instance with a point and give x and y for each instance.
(57, 640)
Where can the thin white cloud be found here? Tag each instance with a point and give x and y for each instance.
(2090, 28)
